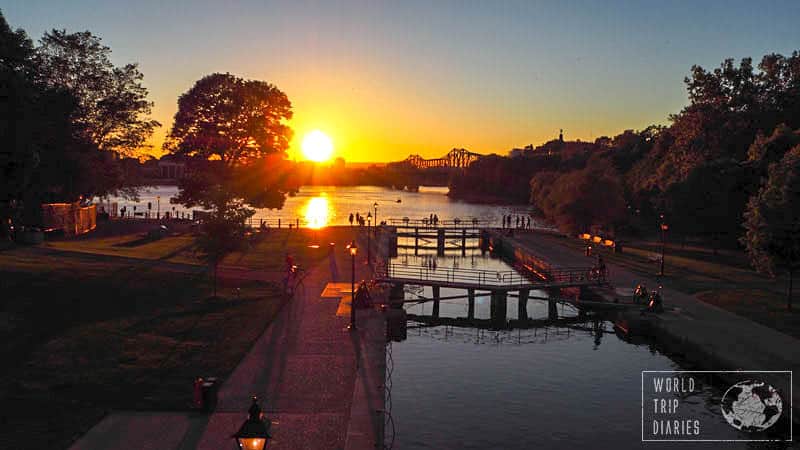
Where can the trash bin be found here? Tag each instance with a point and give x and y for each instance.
(205, 394)
(210, 389)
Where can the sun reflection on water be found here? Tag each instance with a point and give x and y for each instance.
(317, 212)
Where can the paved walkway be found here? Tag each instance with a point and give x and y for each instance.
(735, 341)
(321, 386)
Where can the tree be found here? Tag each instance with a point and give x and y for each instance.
(581, 198)
(772, 220)
(112, 111)
(712, 199)
(40, 156)
(61, 105)
(220, 236)
(766, 150)
(232, 133)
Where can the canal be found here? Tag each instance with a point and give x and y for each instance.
(573, 383)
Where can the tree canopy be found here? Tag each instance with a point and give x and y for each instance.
(65, 112)
(232, 131)
(112, 107)
(772, 219)
(231, 119)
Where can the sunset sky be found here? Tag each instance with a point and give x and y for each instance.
(386, 79)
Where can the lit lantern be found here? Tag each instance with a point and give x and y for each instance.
(254, 433)
(353, 251)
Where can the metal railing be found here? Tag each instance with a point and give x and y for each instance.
(456, 222)
(489, 279)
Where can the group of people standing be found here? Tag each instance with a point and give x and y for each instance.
(521, 222)
(432, 220)
(357, 218)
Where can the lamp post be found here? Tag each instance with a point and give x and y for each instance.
(254, 432)
(353, 252)
(369, 244)
(664, 227)
(375, 207)
(158, 206)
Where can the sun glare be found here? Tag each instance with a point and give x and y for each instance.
(317, 212)
(317, 146)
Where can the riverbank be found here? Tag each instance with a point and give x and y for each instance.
(484, 199)
(707, 336)
(115, 322)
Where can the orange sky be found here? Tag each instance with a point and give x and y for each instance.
(388, 79)
(372, 120)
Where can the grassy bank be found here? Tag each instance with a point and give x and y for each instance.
(96, 324)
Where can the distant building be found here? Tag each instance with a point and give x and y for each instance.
(566, 149)
(520, 152)
(171, 167)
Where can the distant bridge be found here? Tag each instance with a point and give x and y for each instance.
(457, 158)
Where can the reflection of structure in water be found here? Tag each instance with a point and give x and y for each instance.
(498, 317)
(535, 335)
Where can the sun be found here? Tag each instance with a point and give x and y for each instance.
(317, 146)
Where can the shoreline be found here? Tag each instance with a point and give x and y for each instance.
(484, 199)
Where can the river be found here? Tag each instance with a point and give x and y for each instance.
(318, 206)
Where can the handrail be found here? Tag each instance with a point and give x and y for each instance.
(465, 222)
(488, 278)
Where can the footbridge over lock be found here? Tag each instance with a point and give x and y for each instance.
(498, 284)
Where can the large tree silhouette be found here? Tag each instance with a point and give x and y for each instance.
(112, 109)
(233, 133)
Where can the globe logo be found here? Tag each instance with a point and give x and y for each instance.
(751, 406)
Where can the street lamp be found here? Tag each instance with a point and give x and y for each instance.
(375, 207)
(664, 227)
(254, 432)
(353, 252)
(369, 244)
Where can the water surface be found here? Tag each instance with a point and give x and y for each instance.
(577, 384)
(319, 206)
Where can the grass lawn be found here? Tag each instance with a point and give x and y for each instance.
(129, 239)
(83, 332)
(724, 279)
(268, 252)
